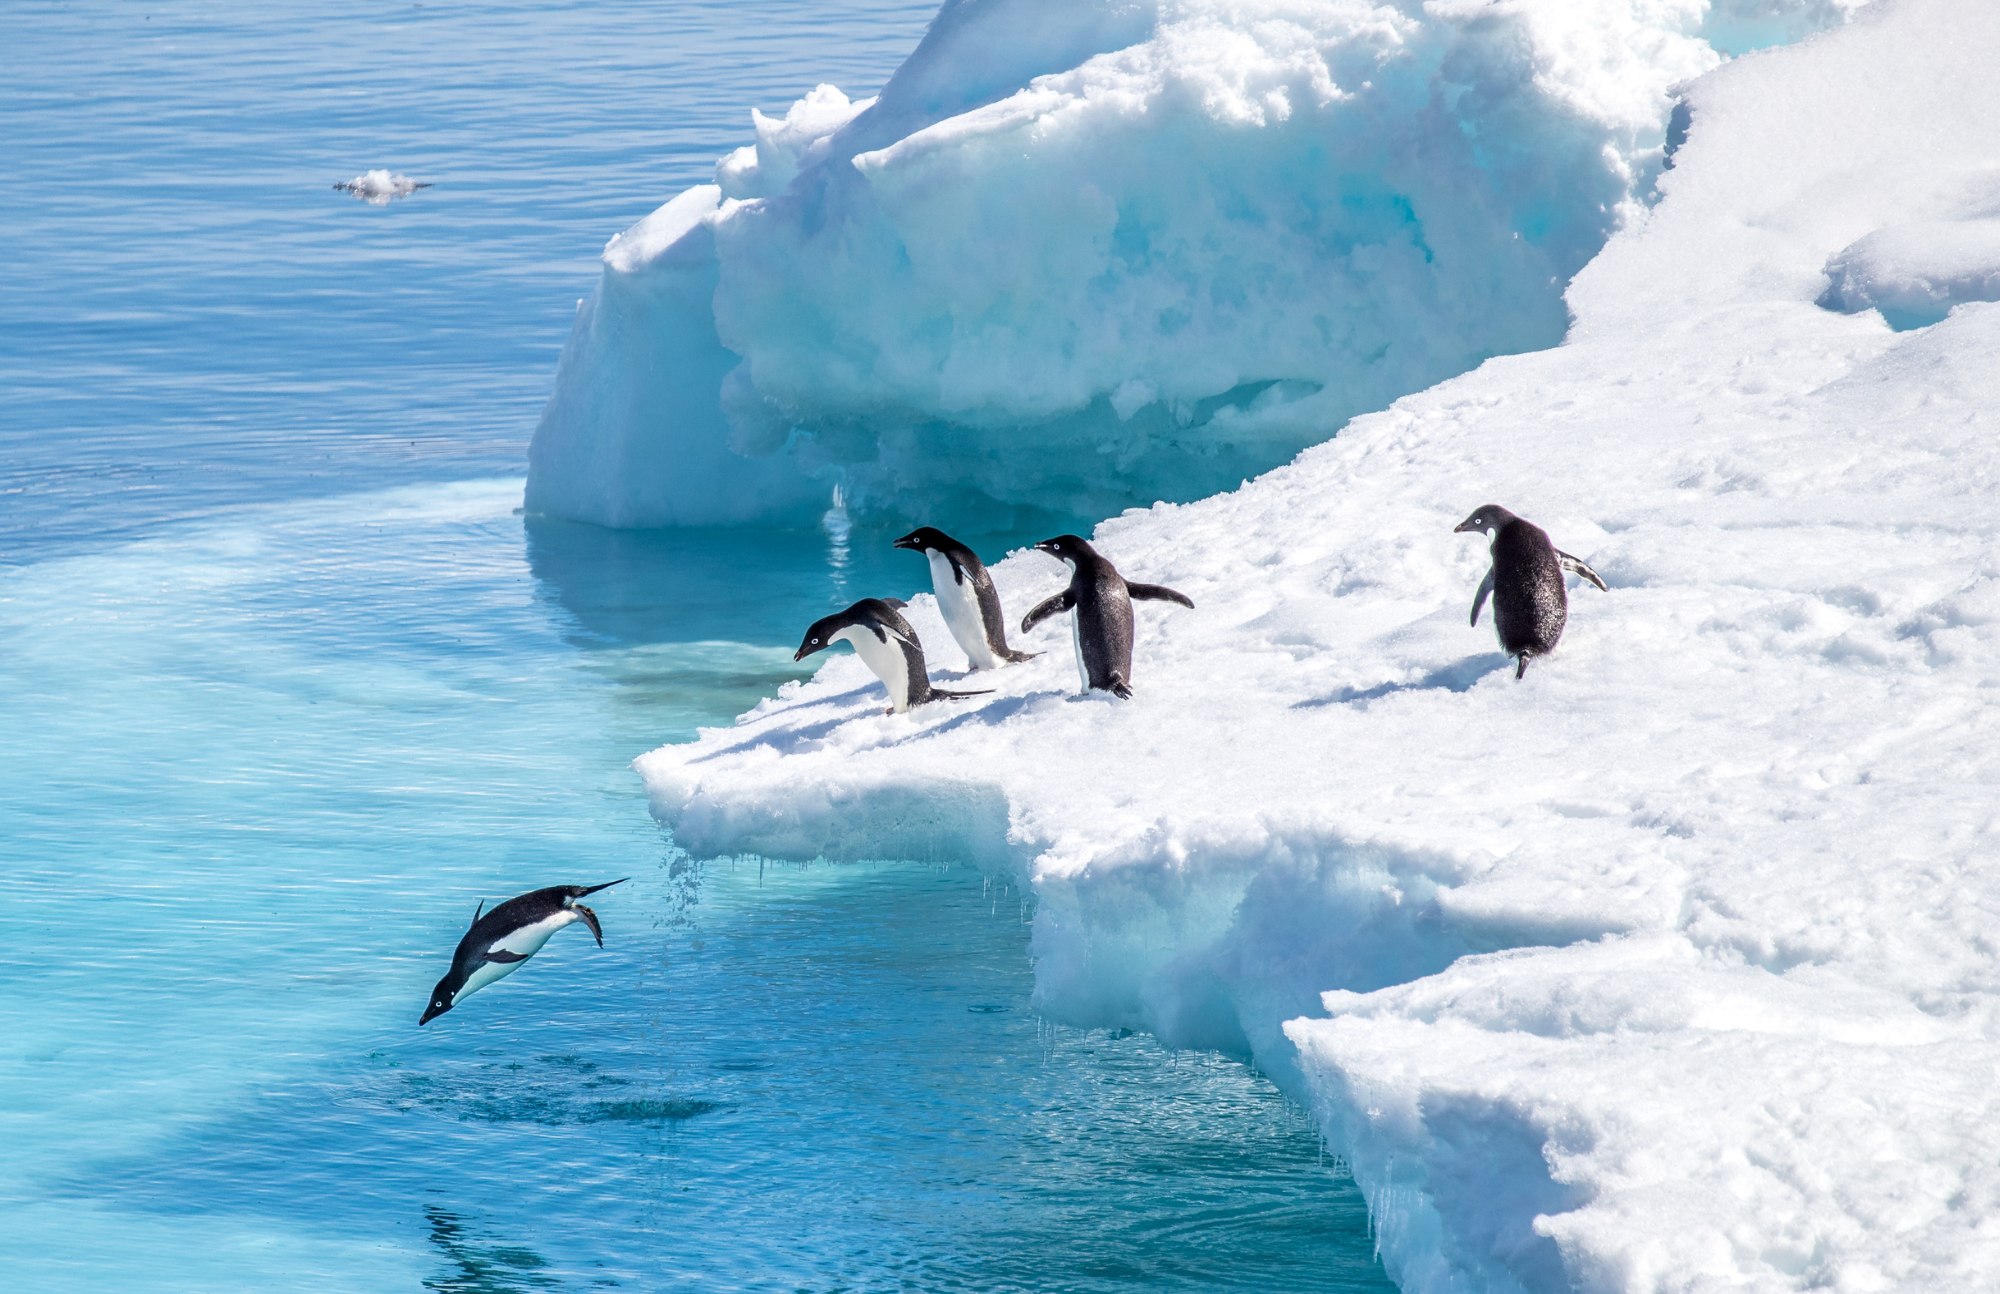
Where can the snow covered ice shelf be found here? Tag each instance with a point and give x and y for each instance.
(1673, 966)
(1081, 254)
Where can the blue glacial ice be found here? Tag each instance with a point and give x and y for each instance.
(1081, 256)
(1672, 966)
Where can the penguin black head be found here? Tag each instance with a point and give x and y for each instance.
(1488, 518)
(440, 998)
(1069, 548)
(868, 611)
(925, 538)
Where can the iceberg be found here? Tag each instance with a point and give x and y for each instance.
(1672, 966)
(1081, 255)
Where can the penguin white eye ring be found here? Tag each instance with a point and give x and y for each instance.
(500, 940)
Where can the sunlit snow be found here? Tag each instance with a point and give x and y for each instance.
(1670, 967)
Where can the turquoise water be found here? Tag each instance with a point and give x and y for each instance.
(287, 686)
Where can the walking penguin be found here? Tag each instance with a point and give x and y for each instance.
(966, 596)
(1530, 605)
(1101, 629)
(502, 939)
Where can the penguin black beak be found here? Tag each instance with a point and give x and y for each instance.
(908, 541)
(1046, 546)
(1470, 523)
(432, 1012)
(805, 651)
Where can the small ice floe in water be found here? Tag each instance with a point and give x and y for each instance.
(380, 188)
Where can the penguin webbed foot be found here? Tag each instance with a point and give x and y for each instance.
(1119, 688)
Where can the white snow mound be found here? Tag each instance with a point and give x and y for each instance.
(1081, 254)
(1674, 965)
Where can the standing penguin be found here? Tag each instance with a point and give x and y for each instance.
(1102, 626)
(502, 939)
(1530, 605)
(966, 596)
(886, 645)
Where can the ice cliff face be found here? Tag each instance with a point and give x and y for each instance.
(1672, 967)
(1084, 254)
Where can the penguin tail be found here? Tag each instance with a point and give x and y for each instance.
(1522, 668)
(960, 696)
(1018, 656)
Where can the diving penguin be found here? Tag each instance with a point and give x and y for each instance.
(1530, 605)
(886, 645)
(1101, 629)
(502, 939)
(966, 596)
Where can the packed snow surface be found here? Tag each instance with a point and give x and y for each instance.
(1674, 965)
(1082, 254)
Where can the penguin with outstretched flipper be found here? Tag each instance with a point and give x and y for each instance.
(1530, 604)
(1101, 629)
(502, 939)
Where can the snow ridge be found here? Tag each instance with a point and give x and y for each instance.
(1670, 967)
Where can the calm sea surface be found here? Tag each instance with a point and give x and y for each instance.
(287, 686)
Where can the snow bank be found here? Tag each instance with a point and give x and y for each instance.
(1670, 967)
(1082, 254)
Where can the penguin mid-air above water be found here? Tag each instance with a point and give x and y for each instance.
(966, 596)
(502, 939)
(1530, 605)
(1101, 629)
(886, 645)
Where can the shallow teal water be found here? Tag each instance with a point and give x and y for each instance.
(287, 685)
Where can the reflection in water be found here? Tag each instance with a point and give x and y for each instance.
(625, 588)
(476, 1268)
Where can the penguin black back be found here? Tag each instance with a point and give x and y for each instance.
(966, 597)
(886, 644)
(500, 940)
(1102, 600)
(1530, 603)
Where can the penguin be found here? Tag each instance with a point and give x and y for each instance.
(886, 645)
(1530, 605)
(1101, 629)
(502, 939)
(966, 595)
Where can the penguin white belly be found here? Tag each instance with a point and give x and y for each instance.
(960, 605)
(885, 660)
(1076, 641)
(527, 941)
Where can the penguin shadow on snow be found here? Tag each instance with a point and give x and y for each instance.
(1460, 676)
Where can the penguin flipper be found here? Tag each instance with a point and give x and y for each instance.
(1157, 593)
(897, 603)
(1018, 656)
(503, 956)
(1569, 563)
(1062, 601)
(960, 696)
(590, 919)
(1479, 599)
